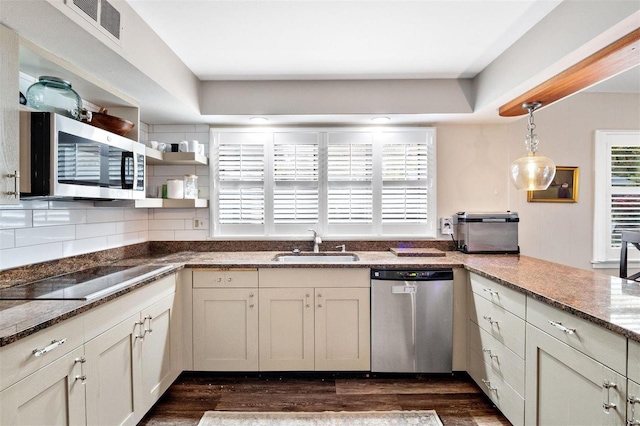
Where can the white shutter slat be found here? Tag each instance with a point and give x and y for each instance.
(295, 205)
(241, 205)
(295, 161)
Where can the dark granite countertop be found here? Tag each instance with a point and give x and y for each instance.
(608, 301)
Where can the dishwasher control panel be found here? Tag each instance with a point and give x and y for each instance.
(412, 274)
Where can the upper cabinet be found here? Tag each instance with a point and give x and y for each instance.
(9, 123)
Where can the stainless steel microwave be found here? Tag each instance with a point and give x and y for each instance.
(64, 158)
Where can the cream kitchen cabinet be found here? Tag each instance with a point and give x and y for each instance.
(9, 122)
(53, 395)
(496, 344)
(129, 366)
(566, 387)
(314, 319)
(99, 367)
(225, 320)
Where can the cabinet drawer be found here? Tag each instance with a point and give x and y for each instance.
(505, 363)
(103, 317)
(504, 326)
(314, 277)
(222, 278)
(504, 396)
(17, 360)
(633, 370)
(500, 295)
(600, 344)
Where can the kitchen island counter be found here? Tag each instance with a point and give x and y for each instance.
(610, 302)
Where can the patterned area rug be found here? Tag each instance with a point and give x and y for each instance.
(325, 418)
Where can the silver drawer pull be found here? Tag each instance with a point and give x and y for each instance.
(487, 383)
(148, 317)
(490, 291)
(491, 321)
(141, 335)
(606, 403)
(488, 352)
(54, 344)
(633, 400)
(561, 327)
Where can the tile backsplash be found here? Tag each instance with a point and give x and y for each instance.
(37, 231)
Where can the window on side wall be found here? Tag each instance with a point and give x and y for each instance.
(356, 183)
(617, 194)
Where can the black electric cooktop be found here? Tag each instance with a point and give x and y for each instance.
(87, 284)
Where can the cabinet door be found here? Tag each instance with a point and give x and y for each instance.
(159, 362)
(342, 329)
(566, 387)
(50, 396)
(9, 134)
(225, 329)
(286, 329)
(113, 375)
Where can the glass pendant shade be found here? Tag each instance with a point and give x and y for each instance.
(532, 172)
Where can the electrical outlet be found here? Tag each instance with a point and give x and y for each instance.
(197, 223)
(446, 225)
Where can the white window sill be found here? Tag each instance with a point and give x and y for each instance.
(611, 264)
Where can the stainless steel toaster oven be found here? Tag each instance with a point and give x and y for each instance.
(487, 232)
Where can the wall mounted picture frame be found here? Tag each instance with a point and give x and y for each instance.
(563, 188)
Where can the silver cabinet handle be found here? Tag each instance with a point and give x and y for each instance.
(490, 291)
(633, 400)
(306, 300)
(148, 317)
(488, 352)
(561, 327)
(319, 300)
(219, 280)
(607, 404)
(141, 331)
(82, 377)
(16, 184)
(54, 344)
(487, 383)
(491, 321)
(228, 280)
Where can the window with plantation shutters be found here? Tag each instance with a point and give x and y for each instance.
(344, 183)
(617, 192)
(295, 178)
(405, 166)
(349, 178)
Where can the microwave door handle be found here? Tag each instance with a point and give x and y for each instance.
(123, 169)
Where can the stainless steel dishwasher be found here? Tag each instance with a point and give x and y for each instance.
(411, 320)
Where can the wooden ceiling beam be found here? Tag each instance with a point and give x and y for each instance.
(619, 56)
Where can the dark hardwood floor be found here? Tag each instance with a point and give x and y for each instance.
(456, 399)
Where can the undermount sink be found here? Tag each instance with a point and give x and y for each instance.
(317, 257)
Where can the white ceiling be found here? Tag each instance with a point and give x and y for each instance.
(298, 39)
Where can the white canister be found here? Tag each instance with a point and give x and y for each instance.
(193, 146)
(183, 146)
(191, 186)
(175, 189)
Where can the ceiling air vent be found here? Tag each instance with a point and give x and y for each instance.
(110, 19)
(101, 14)
(90, 7)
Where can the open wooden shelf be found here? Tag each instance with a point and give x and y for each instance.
(176, 158)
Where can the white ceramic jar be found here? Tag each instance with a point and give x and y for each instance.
(175, 189)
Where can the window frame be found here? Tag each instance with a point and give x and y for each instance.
(605, 256)
(326, 230)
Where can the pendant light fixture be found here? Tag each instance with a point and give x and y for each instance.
(532, 172)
